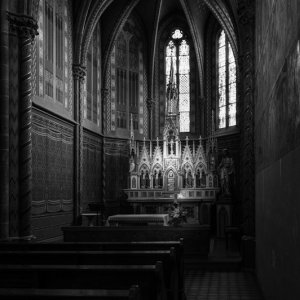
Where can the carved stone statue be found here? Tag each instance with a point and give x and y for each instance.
(226, 172)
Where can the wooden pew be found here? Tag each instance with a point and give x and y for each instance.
(70, 294)
(108, 257)
(148, 277)
(107, 246)
(196, 237)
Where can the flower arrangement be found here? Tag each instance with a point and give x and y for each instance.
(177, 214)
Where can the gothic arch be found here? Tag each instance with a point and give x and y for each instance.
(199, 56)
(220, 11)
(117, 29)
(88, 23)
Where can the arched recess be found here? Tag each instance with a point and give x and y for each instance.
(171, 179)
(131, 31)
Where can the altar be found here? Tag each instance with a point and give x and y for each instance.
(172, 169)
(138, 219)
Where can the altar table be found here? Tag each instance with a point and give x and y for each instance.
(138, 219)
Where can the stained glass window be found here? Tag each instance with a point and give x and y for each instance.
(178, 50)
(226, 83)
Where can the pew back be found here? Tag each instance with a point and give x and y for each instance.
(148, 277)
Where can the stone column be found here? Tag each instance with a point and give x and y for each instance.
(79, 75)
(246, 16)
(246, 11)
(104, 94)
(26, 28)
(4, 122)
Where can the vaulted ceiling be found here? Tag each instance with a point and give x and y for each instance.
(152, 14)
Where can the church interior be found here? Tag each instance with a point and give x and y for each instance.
(150, 149)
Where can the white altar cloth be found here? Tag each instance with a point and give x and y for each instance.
(115, 220)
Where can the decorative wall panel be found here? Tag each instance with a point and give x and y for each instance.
(52, 165)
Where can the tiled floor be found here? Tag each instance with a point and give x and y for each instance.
(208, 285)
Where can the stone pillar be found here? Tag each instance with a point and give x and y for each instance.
(104, 94)
(4, 122)
(246, 16)
(79, 74)
(26, 28)
(246, 11)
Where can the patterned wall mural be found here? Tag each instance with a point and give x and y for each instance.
(52, 164)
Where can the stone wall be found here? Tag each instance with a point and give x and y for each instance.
(277, 146)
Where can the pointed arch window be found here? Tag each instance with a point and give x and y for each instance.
(226, 82)
(178, 50)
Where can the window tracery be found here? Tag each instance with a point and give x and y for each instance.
(226, 82)
(178, 51)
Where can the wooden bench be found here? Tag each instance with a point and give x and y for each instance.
(196, 238)
(106, 257)
(104, 246)
(148, 277)
(70, 294)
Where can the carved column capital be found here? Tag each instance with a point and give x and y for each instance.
(79, 72)
(25, 26)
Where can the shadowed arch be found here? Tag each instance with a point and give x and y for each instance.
(219, 9)
(117, 28)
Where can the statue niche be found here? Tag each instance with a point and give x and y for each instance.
(171, 180)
